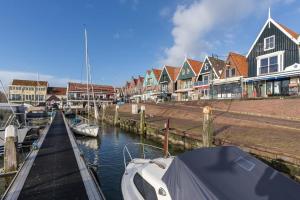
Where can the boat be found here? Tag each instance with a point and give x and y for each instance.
(224, 172)
(85, 127)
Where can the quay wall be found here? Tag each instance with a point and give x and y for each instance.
(186, 140)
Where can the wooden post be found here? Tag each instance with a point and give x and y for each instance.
(103, 112)
(10, 149)
(116, 121)
(207, 134)
(166, 142)
(142, 120)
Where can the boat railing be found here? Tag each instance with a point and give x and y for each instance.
(142, 145)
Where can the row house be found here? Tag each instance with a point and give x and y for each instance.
(210, 71)
(133, 89)
(151, 88)
(77, 94)
(28, 91)
(56, 96)
(273, 62)
(230, 85)
(186, 78)
(167, 82)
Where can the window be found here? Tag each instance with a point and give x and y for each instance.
(205, 79)
(183, 72)
(269, 65)
(232, 72)
(269, 43)
(187, 70)
(149, 81)
(206, 66)
(145, 189)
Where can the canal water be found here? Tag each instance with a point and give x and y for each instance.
(105, 153)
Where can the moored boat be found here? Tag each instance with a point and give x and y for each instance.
(86, 129)
(207, 174)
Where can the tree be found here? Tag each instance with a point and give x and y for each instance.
(2, 97)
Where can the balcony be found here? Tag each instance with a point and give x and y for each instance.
(201, 83)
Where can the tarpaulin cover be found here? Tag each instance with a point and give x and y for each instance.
(226, 173)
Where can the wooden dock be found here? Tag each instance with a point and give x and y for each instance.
(56, 170)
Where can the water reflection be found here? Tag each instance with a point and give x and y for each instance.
(106, 154)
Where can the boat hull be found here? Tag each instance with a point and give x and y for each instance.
(86, 130)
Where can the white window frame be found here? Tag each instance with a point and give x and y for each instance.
(265, 43)
(280, 61)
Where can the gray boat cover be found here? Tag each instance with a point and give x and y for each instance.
(226, 173)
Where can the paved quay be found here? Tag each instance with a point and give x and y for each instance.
(275, 137)
(56, 172)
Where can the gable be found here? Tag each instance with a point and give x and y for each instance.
(206, 67)
(186, 72)
(150, 75)
(282, 43)
(164, 76)
(271, 24)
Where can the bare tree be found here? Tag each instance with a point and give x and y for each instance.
(2, 97)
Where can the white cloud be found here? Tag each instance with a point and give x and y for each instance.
(193, 24)
(7, 76)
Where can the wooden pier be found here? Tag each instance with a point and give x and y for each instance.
(56, 170)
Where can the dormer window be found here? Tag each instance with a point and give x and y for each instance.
(269, 43)
(230, 72)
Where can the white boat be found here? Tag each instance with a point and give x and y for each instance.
(86, 128)
(142, 178)
(206, 174)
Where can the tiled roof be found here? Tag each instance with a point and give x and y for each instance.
(196, 65)
(29, 83)
(240, 63)
(291, 32)
(56, 90)
(218, 64)
(157, 73)
(97, 88)
(173, 72)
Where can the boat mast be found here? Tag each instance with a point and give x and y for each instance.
(87, 71)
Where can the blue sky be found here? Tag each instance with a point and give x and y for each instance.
(126, 37)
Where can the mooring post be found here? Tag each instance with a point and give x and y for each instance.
(142, 120)
(103, 112)
(116, 121)
(166, 142)
(207, 134)
(10, 149)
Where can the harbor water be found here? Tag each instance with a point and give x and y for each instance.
(105, 154)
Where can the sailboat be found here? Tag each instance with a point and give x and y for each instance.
(85, 128)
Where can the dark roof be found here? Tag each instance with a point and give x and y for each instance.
(82, 87)
(56, 90)
(217, 64)
(226, 173)
(29, 83)
(53, 98)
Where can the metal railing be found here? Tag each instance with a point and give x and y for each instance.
(200, 83)
(126, 150)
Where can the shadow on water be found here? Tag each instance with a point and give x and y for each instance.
(106, 155)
